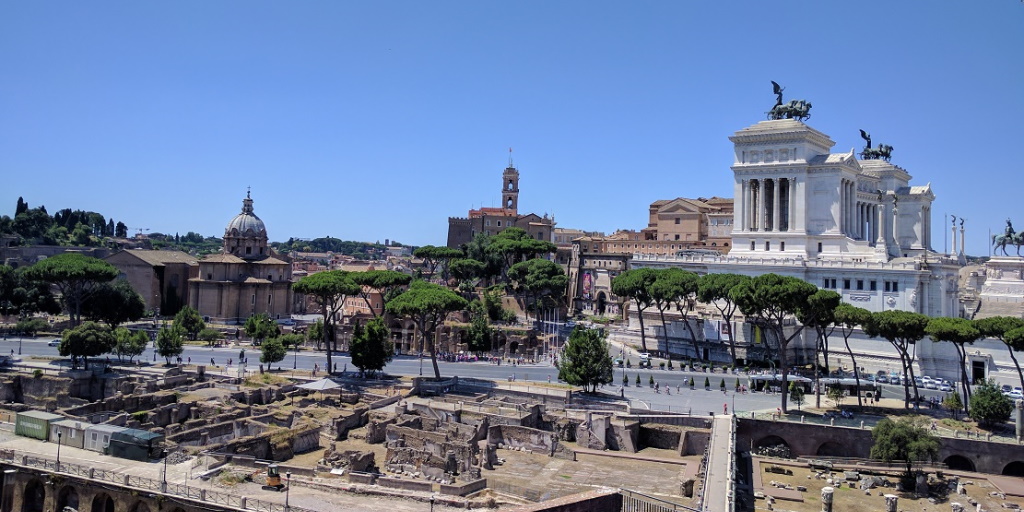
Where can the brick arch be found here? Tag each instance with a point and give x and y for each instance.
(960, 462)
(833, 449)
(1015, 468)
(772, 440)
(34, 496)
(102, 502)
(67, 497)
(140, 506)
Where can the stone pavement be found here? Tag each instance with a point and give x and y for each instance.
(718, 481)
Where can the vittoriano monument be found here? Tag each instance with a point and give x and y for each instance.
(882, 152)
(795, 109)
(1009, 237)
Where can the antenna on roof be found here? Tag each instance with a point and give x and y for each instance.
(510, 156)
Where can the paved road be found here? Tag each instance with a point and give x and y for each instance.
(673, 392)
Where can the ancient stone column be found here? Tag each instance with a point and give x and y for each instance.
(891, 501)
(1019, 418)
(826, 499)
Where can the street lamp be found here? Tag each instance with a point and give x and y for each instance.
(431, 504)
(295, 361)
(287, 489)
(59, 435)
(165, 453)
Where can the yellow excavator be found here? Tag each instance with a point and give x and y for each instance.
(274, 479)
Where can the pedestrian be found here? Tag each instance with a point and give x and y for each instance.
(335, 367)
(189, 360)
(725, 408)
(212, 363)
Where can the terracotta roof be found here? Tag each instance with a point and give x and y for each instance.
(223, 258)
(158, 258)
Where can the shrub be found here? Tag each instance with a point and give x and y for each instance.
(721, 385)
(650, 380)
(625, 380)
(37, 373)
(661, 365)
(707, 383)
(638, 379)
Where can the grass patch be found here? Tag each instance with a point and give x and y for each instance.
(231, 478)
(263, 379)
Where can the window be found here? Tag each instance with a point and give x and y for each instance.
(677, 236)
(819, 246)
(782, 246)
(270, 299)
(209, 277)
(888, 286)
(248, 250)
(487, 222)
(873, 286)
(677, 220)
(270, 277)
(860, 284)
(752, 245)
(846, 284)
(767, 245)
(499, 223)
(254, 299)
(895, 286)
(826, 283)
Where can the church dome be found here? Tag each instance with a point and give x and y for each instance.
(246, 222)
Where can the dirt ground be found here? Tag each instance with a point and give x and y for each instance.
(847, 499)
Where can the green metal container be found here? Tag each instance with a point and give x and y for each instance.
(35, 424)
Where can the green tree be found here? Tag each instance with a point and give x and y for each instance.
(635, 285)
(905, 440)
(427, 305)
(76, 276)
(114, 303)
(478, 336)
(586, 361)
(170, 342)
(467, 271)
(329, 290)
(371, 347)
(477, 249)
(514, 245)
(953, 403)
(259, 327)
(675, 286)
(30, 326)
(291, 340)
(384, 282)
(22, 296)
(437, 257)
(989, 406)
(190, 321)
(836, 395)
(796, 394)
(210, 336)
(316, 333)
(89, 339)
(1010, 331)
(819, 313)
(714, 289)
(272, 351)
(536, 280)
(960, 332)
(769, 299)
(903, 329)
(129, 344)
(32, 224)
(848, 318)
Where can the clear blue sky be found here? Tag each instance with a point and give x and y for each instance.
(374, 120)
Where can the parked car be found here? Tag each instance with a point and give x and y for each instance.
(931, 384)
(54, 343)
(945, 387)
(1005, 388)
(1014, 395)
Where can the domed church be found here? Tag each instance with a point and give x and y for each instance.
(246, 278)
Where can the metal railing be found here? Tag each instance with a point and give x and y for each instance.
(633, 501)
(133, 482)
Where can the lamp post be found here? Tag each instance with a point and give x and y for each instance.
(295, 361)
(165, 453)
(287, 490)
(431, 504)
(59, 435)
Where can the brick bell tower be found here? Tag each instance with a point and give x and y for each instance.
(510, 186)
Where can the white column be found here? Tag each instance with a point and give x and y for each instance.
(764, 205)
(755, 195)
(740, 206)
(776, 197)
(792, 204)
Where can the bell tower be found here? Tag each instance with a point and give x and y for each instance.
(510, 186)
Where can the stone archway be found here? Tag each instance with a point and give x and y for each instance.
(67, 497)
(832, 449)
(513, 346)
(139, 506)
(102, 502)
(602, 303)
(959, 462)
(1015, 468)
(34, 496)
(774, 446)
